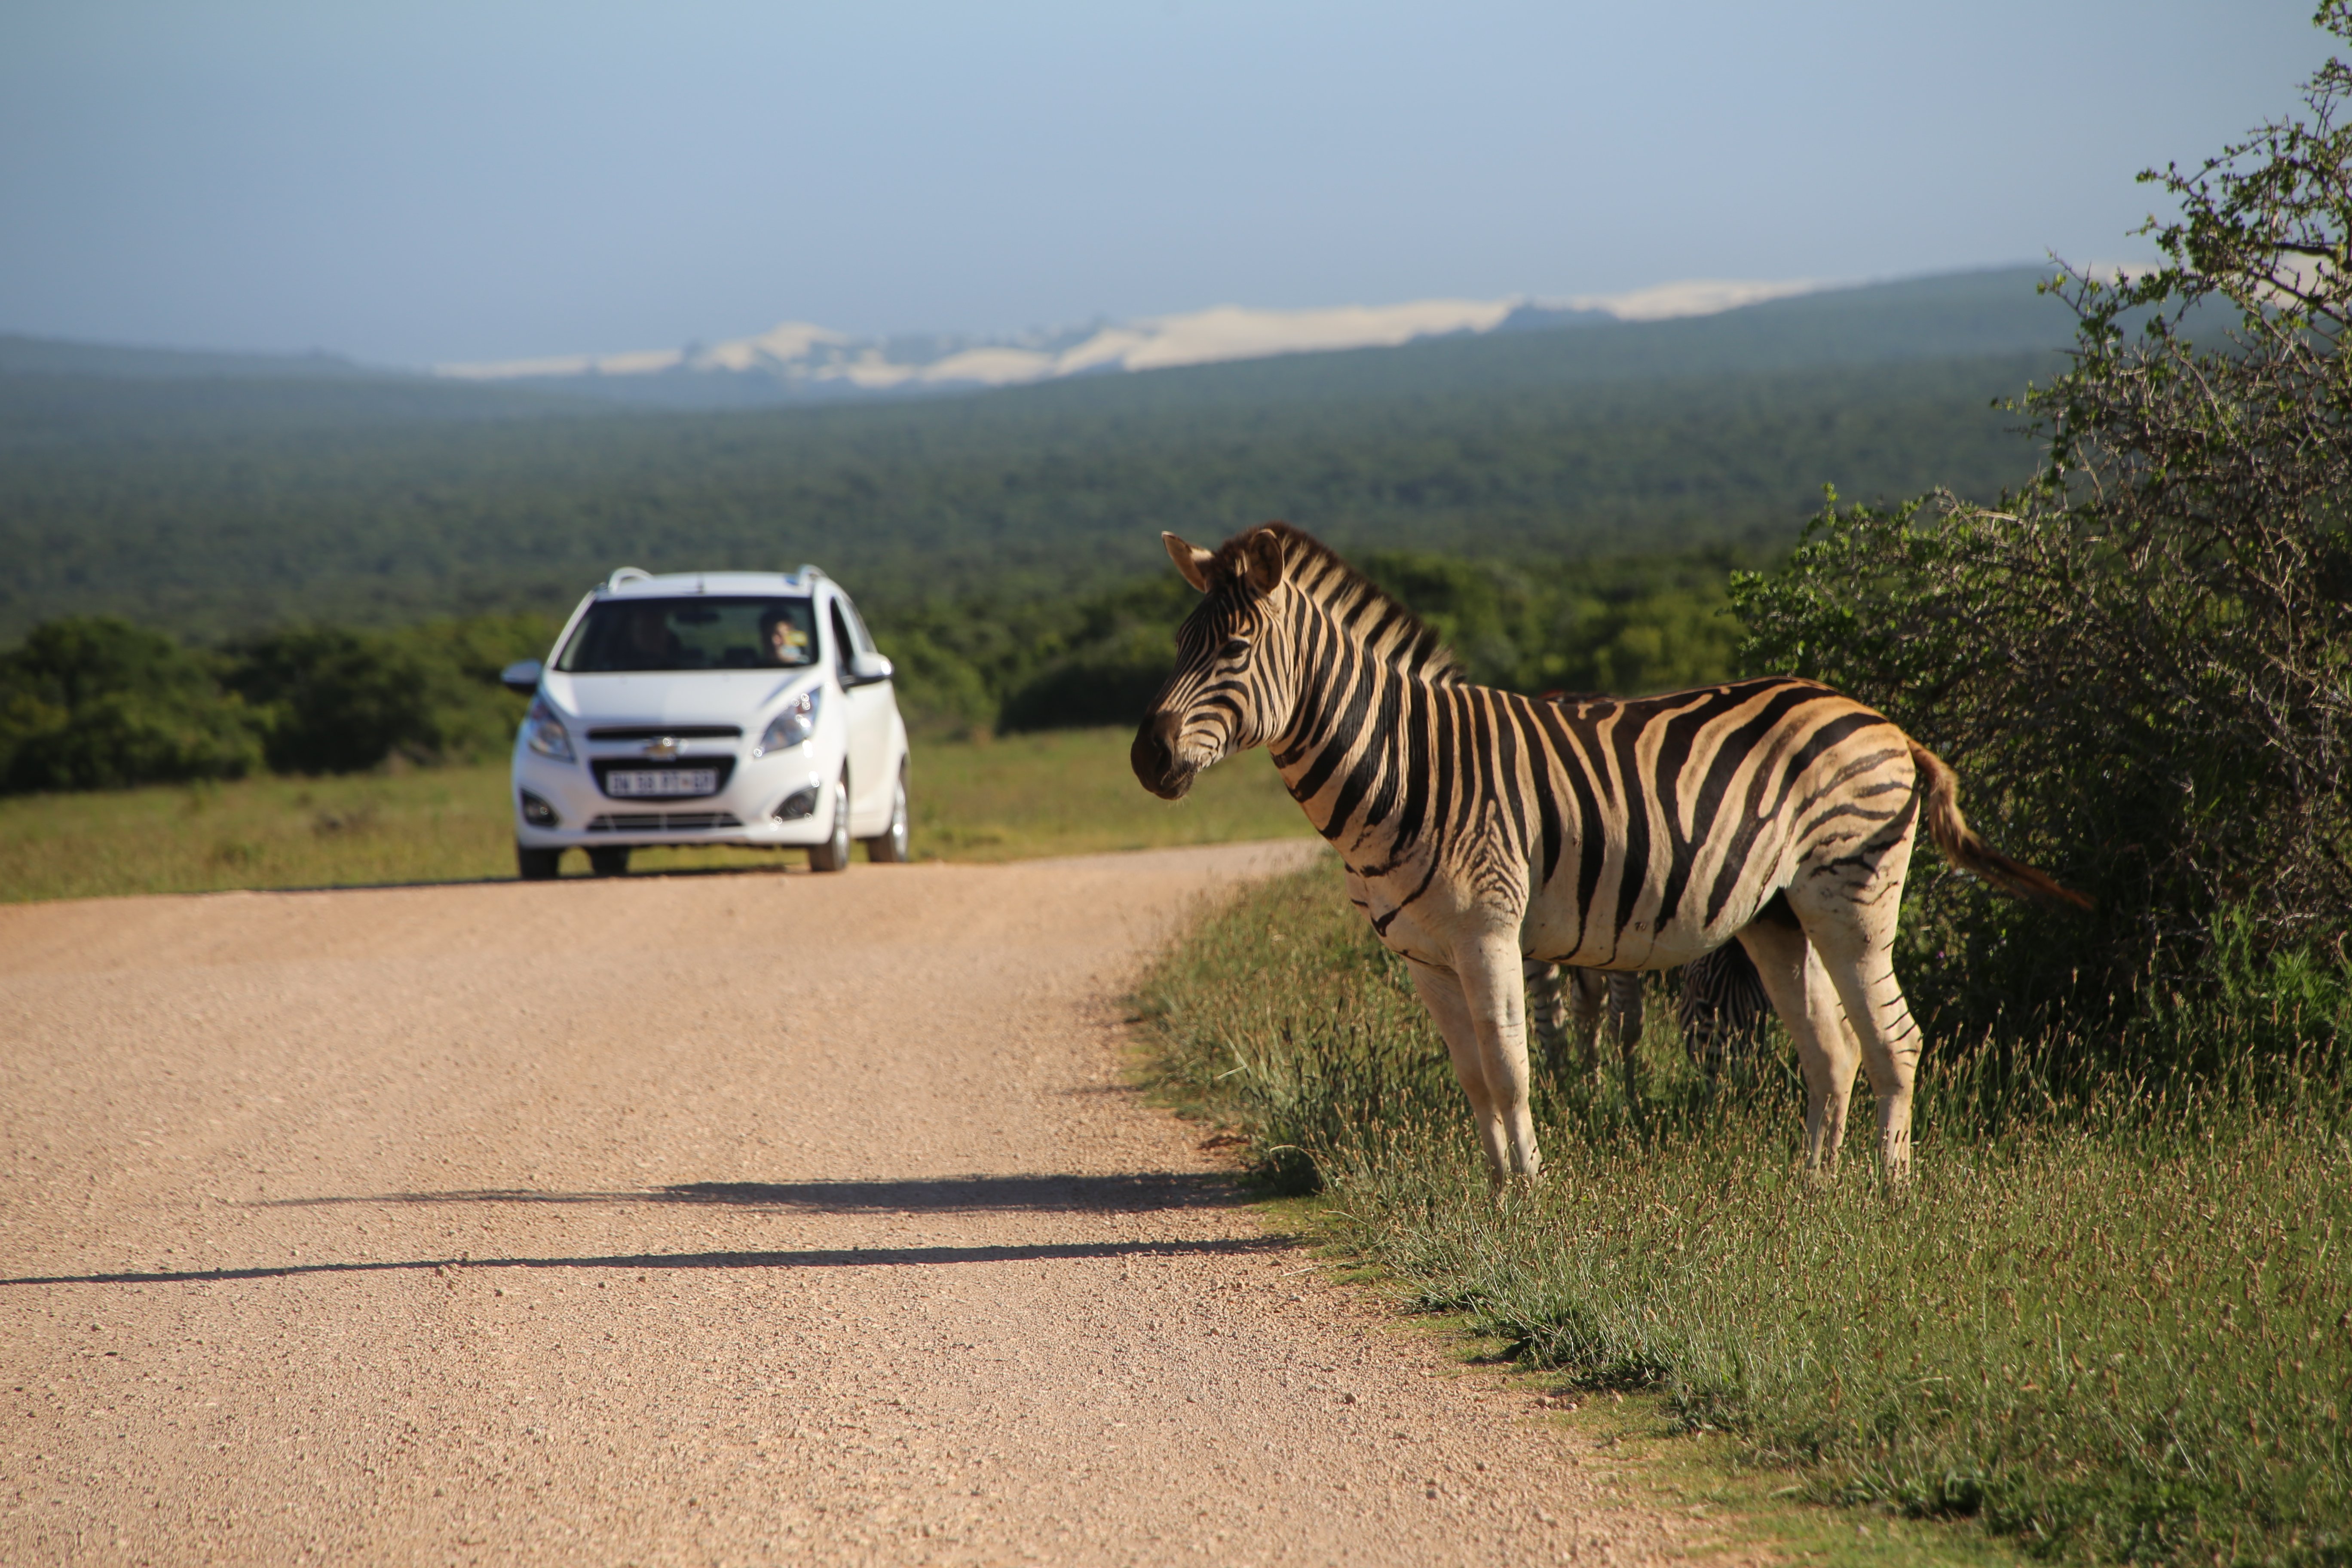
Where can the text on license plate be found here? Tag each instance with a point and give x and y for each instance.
(663, 781)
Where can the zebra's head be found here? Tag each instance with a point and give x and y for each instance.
(1226, 693)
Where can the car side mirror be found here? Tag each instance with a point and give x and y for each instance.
(521, 677)
(865, 669)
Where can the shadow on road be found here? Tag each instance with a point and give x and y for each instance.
(1140, 1192)
(815, 1257)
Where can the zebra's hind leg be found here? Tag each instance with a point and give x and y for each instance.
(1849, 906)
(1863, 974)
(1827, 1051)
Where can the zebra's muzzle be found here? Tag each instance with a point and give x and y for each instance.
(1153, 757)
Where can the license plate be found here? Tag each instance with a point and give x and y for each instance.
(663, 781)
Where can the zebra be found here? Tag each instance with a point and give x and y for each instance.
(1479, 829)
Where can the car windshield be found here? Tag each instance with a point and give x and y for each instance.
(695, 633)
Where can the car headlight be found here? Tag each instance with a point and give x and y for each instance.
(545, 734)
(796, 723)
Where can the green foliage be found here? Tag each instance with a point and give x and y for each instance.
(2142, 663)
(1628, 623)
(97, 703)
(1016, 662)
(338, 701)
(328, 700)
(2113, 1325)
(1625, 625)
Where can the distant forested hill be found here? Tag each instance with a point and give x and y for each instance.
(211, 499)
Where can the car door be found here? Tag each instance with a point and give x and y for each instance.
(869, 722)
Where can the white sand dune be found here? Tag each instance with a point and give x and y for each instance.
(804, 353)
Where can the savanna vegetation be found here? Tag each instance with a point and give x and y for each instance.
(2112, 1320)
(218, 506)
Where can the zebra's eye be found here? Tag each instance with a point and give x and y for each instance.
(1234, 648)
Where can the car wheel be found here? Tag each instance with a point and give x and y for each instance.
(610, 862)
(536, 864)
(833, 854)
(891, 847)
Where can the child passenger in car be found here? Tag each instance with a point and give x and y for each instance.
(787, 643)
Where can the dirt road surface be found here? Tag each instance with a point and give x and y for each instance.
(723, 1219)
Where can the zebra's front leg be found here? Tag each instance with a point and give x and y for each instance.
(1625, 1019)
(1488, 968)
(1549, 988)
(1440, 991)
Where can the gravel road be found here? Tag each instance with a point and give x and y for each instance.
(716, 1219)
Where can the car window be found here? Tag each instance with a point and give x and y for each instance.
(699, 632)
(857, 632)
(845, 646)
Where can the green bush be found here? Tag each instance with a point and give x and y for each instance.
(2142, 664)
(98, 703)
(1628, 623)
(338, 701)
(1623, 624)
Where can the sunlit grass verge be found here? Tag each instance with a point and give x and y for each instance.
(2112, 1324)
(1063, 792)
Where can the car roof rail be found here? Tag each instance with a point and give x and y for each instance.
(628, 574)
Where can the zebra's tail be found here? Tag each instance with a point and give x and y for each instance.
(1963, 849)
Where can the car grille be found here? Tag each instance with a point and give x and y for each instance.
(663, 821)
(673, 732)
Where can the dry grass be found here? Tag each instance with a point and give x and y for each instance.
(1059, 794)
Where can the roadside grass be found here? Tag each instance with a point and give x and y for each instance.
(2111, 1323)
(1061, 792)
(1640, 1451)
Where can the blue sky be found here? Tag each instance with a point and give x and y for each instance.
(422, 181)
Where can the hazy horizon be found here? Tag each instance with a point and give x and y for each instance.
(504, 181)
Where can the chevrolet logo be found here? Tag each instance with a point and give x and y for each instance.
(664, 748)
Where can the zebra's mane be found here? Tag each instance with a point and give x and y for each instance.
(1369, 616)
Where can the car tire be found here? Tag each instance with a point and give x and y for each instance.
(833, 854)
(612, 861)
(536, 864)
(890, 847)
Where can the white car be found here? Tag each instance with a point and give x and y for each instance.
(709, 707)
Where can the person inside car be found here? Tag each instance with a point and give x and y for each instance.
(787, 643)
(651, 643)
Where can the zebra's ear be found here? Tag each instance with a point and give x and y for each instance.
(1191, 560)
(1261, 560)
